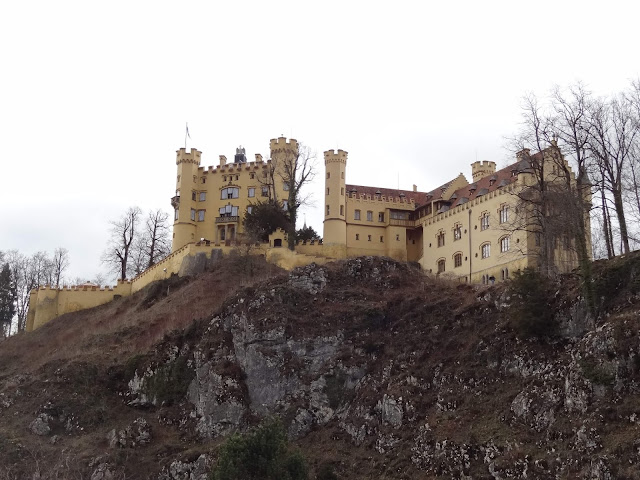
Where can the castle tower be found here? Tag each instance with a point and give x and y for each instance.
(282, 152)
(482, 169)
(184, 202)
(335, 209)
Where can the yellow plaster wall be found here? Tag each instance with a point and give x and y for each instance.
(210, 181)
(472, 262)
(53, 302)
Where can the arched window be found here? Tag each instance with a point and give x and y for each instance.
(441, 265)
(486, 250)
(457, 260)
(505, 243)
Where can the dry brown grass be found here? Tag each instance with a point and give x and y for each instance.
(124, 327)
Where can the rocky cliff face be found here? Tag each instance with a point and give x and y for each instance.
(372, 367)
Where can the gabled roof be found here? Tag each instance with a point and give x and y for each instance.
(491, 183)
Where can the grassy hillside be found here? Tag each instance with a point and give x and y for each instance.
(376, 371)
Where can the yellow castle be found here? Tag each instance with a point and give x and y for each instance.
(460, 229)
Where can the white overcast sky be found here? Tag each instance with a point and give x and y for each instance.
(94, 96)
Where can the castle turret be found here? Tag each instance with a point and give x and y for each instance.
(335, 225)
(482, 169)
(184, 202)
(283, 151)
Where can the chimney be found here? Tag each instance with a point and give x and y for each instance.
(415, 187)
(258, 157)
(223, 160)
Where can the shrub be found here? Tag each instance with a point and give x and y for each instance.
(530, 310)
(325, 472)
(259, 455)
(170, 382)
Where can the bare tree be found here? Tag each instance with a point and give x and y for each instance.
(295, 169)
(123, 233)
(156, 236)
(60, 263)
(612, 140)
(25, 275)
(152, 244)
(553, 202)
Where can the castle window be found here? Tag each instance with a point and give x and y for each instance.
(229, 192)
(175, 216)
(342, 175)
(342, 191)
(441, 266)
(457, 233)
(251, 192)
(381, 216)
(249, 209)
(484, 221)
(224, 178)
(328, 210)
(457, 260)
(369, 216)
(228, 211)
(195, 178)
(252, 176)
(285, 187)
(357, 236)
(193, 214)
(369, 238)
(203, 179)
(342, 210)
(356, 215)
(285, 204)
(201, 215)
(504, 244)
(327, 190)
(440, 238)
(504, 214)
(486, 250)
(237, 177)
(328, 175)
(381, 239)
(265, 191)
(203, 196)
(397, 237)
(193, 195)
(178, 178)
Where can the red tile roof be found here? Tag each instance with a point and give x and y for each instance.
(418, 197)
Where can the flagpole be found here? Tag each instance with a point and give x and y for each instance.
(186, 132)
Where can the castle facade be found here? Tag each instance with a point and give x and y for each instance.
(470, 231)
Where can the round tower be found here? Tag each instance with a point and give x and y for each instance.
(335, 208)
(184, 201)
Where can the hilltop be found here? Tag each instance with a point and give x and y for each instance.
(374, 368)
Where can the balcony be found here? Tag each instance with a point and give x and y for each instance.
(397, 222)
(175, 201)
(227, 219)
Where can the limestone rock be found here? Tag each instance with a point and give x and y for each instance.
(40, 426)
(196, 470)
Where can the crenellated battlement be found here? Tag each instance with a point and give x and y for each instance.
(332, 156)
(281, 144)
(182, 156)
(482, 169)
(235, 167)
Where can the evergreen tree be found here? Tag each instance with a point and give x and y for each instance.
(7, 299)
